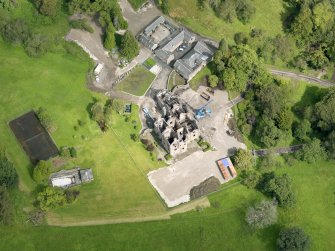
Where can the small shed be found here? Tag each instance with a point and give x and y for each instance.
(98, 69)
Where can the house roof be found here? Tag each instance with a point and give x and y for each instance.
(154, 25)
(195, 57)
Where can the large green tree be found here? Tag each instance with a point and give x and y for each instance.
(129, 46)
(293, 239)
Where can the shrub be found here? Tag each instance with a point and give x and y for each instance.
(51, 198)
(243, 159)
(134, 136)
(36, 45)
(81, 24)
(293, 239)
(15, 31)
(207, 186)
(41, 171)
(46, 119)
(261, 215)
(168, 157)
(8, 175)
(73, 152)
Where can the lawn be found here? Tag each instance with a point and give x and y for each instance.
(138, 81)
(149, 63)
(267, 17)
(136, 4)
(57, 82)
(208, 229)
(175, 80)
(200, 78)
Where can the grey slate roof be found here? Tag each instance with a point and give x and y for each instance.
(151, 27)
(86, 175)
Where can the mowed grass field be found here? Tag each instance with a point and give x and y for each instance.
(267, 17)
(220, 228)
(137, 82)
(57, 82)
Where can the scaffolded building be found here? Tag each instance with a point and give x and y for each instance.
(176, 126)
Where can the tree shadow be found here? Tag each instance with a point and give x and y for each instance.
(291, 9)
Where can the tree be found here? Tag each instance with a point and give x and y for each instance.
(278, 187)
(213, 81)
(244, 10)
(302, 25)
(325, 111)
(8, 175)
(268, 133)
(41, 171)
(129, 47)
(312, 152)
(243, 159)
(323, 15)
(285, 119)
(6, 209)
(48, 7)
(109, 42)
(50, 198)
(46, 120)
(301, 130)
(262, 214)
(251, 179)
(237, 67)
(293, 239)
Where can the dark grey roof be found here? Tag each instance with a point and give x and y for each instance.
(154, 25)
(147, 41)
(86, 175)
(195, 57)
